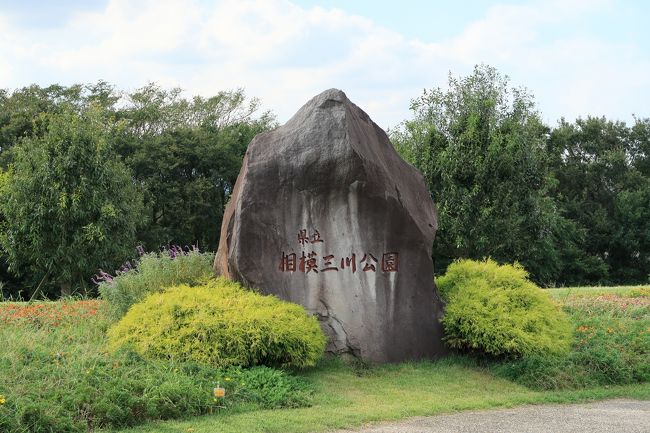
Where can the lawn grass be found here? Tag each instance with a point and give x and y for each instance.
(347, 397)
(610, 345)
(37, 362)
(564, 292)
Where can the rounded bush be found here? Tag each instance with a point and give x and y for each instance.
(495, 309)
(220, 324)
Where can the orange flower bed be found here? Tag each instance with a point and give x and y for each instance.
(48, 313)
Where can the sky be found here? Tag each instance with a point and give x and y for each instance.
(577, 57)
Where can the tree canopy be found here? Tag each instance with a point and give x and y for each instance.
(603, 186)
(570, 203)
(88, 172)
(69, 204)
(167, 161)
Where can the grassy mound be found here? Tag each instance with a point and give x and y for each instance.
(611, 345)
(55, 376)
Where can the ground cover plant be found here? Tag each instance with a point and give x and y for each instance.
(56, 376)
(348, 396)
(598, 337)
(48, 313)
(607, 318)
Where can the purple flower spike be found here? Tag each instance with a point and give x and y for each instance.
(140, 250)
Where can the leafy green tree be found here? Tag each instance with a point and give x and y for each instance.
(481, 148)
(603, 185)
(69, 205)
(10, 286)
(20, 110)
(186, 154)
(21, 116)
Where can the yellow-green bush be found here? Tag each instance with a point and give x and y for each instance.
(497, 310)
(220, 324)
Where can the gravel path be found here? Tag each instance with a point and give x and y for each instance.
(611, 416)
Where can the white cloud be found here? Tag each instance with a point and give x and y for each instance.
(285, 54)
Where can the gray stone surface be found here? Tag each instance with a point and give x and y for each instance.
(613, 416)
(326, 214)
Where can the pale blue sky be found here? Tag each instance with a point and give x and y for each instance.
(577, 57)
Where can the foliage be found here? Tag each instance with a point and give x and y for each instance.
(69, 178)
(220, 324)
(59, 379)
(190, 152)
(570, 203)
(392, 392)
(154, 273)
(611, 345)
(178, 150)
(480, 145)
(494, 309)
(603, 186)
(10, 285)
(265, 387)
(22, 111)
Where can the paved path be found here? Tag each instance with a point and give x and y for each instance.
(612, 416)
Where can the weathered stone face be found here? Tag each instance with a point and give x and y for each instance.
(326, 214)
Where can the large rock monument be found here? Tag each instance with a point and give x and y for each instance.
(326, 214)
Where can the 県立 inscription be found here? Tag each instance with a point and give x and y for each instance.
(318, 262)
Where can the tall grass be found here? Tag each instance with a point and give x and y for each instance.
(154, 273)
(611, 344)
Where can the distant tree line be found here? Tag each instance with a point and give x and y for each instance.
(88, 172)
(571, 202)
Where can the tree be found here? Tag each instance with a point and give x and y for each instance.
(69, 205)
(186, 154)
(603, 185)
(20, 110)
(481, 148)
(10, 286)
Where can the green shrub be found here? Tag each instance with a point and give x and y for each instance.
(496, 310)
(220, 324)
(154, 273)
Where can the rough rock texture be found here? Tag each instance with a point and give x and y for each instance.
(326, 214)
